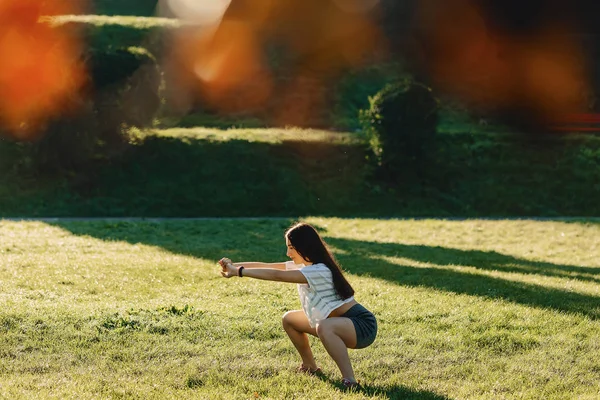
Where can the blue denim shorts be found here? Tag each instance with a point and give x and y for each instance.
(365, 325)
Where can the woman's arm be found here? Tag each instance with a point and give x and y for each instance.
(268, 274)
(277, 275)
(253, 264)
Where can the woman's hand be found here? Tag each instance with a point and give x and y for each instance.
(223, 262)
(227, 268)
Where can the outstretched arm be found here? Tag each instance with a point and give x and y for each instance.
(274, 275)
(254, 264)
(268, 274)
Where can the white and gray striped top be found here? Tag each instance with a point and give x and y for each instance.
(318, 297)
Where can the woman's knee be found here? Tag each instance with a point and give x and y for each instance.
(323, 328)
(296, 321)
(289, 319)
(285, 319)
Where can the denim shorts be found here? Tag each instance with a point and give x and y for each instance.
(365, 325)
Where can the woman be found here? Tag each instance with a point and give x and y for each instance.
(329, 310)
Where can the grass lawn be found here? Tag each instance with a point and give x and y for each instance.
(467, 310)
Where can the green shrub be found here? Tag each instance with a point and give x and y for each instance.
(125, 7)
(401, 125)
(111, 33)
(126, 88)
(355, 87)
(123, 92)
(112, 67)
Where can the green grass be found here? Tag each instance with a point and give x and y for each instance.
(467, 310)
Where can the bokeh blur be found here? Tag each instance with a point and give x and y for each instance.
(269, 55)
(530, 63)
(40, 66)
(534, 62)
(391, 107)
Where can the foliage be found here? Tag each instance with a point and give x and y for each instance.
(112, 33)
(277, 172)
(350, 91)
(354, 89)
(124, 7)
(466, 309)
(117, 98)
(401, 123)
(122, 92)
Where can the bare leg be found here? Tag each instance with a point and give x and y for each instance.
(338, 334)
(296, 326)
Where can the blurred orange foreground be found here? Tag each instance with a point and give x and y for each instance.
(544, 73)
(227, 60)
(40, 66)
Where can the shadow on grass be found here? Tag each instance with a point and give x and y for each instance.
(400, 393)
(262, 240)
(484, 260)
(388, 392)
(364, 258)
(259, 239)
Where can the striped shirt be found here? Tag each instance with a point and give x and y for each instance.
(318, 297)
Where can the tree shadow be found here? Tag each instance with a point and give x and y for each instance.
(485, 260)
(365, 258)
(262, 239)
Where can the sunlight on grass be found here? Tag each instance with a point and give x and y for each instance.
(526, 275)
(467, 309)
(134, 21)
(274, 135)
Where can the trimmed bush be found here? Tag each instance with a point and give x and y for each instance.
(117, 99)
(144, 8)
(355, 87)
(401, 124)
(128, 95)
(123, 91)
(112, 33)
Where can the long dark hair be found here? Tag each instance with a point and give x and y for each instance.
(308, 243)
